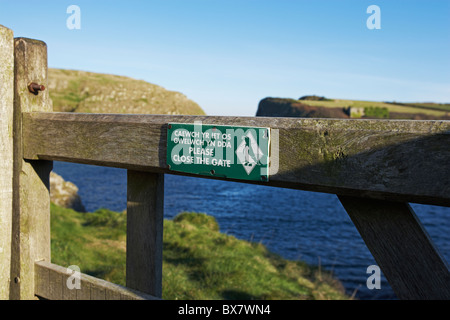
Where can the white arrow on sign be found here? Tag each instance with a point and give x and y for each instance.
(242, 152)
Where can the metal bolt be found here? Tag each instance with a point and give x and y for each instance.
(34, 88)
(213, 172)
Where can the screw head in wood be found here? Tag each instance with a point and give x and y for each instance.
(34, 88)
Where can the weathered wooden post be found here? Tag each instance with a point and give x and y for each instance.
(6, 154)
(31, 198)
(145, 207)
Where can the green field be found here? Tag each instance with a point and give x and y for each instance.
(431, 106)
(199, 262)
(425, 108)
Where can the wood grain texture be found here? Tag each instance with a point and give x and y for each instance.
(51, 283)
(145, 208)
(31, 199)
(397, 160)
(6, 152)
(402, 248)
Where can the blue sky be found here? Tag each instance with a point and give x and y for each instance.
(227, 55)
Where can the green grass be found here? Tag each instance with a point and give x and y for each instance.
(199, 262)
(432, 106)
(90, 242)
(69, 100)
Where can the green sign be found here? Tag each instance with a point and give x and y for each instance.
(220, 151)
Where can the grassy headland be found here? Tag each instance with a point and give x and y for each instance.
(199, 262)
(88, 92)
(321, 107)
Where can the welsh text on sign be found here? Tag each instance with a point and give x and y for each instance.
(222, 151)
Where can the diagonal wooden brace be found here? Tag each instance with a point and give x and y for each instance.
(401, 247)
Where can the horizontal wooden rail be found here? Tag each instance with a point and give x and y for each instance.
(51, 284)
(395, 160)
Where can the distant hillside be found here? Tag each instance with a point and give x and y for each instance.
(321, 107)
(88, 92)
(281, 107)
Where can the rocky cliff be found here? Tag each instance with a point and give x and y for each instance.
(65, 193)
